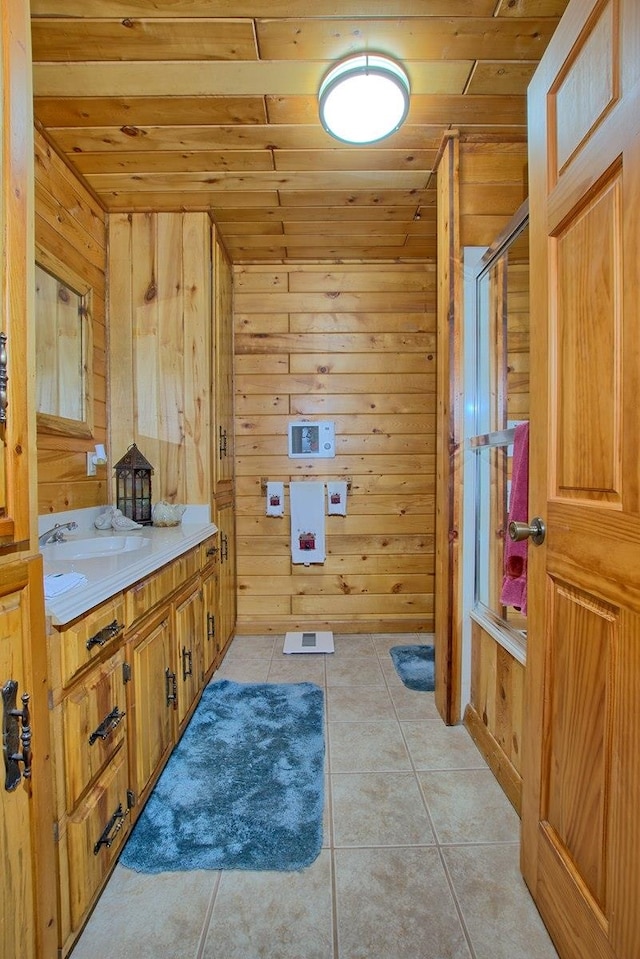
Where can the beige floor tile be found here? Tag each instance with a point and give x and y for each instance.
(432, 745)
(357, 645)
(379, 809)
(396, 904)
(354, 671)
(303, 668)
(391, 677)
(498, 911)
(353, 703)
(413, 705)
(244, 671)
(252, 647)
(273, 915)
(468, 805)
(148, 916)
(376, 746)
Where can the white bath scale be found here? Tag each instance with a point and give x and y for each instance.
(308, 642)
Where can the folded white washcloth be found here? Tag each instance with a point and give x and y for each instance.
(57, 583)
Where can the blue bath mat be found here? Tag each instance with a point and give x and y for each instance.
(243, 789)
(415, 665)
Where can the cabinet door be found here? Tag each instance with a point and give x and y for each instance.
(28, 923)
(16, 270)
(211, 634)
(152, 696)
(188, 645)
(222, 368)
(225, 521)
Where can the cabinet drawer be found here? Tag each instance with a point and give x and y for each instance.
(77, 644)
(95, 833)
(94, 725)
(209, 551)
(155, 588)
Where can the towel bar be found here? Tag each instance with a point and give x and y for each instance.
(264, 481)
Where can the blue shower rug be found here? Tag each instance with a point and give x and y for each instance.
(243, 788)
(415, 665)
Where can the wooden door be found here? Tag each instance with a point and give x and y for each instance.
(581, 774)
(28, 918)
(16, 268)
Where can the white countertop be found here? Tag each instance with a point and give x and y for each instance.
(107, 575)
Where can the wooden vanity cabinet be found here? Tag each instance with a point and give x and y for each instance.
(125, 679)
(88, 721)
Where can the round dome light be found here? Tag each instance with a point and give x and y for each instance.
(364, 98)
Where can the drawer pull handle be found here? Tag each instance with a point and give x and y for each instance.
(4, 402)
(105, 634)
(212, 551)
(112, 829)
(186, 656)
(225, 548)
(172, 688)
(16, 730)
(211, 626)
(108, 724)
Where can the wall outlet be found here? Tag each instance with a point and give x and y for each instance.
(91, 466)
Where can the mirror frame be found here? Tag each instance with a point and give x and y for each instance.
(48, 422)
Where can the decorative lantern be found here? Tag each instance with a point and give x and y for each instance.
(133, 486)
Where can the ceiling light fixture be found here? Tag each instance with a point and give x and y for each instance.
(364, 98)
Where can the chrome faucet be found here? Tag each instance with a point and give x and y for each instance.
(56, 535)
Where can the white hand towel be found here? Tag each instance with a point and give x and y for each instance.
(337, 498)
(307, 523)
(275, 499)
(57, 583)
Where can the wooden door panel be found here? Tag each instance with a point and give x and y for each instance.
(587, 87)
(577, 797)
(587, 334)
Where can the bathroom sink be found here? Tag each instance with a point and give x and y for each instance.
(94, 547)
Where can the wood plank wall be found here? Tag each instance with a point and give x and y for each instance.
(70, 225)
(356, 344)
(160, 348)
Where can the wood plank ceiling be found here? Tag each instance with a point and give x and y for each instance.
(211, 105)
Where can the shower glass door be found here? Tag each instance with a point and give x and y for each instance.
(496, 400)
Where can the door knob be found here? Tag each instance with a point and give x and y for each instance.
(535, 529)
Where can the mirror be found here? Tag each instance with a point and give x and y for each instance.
(63, 350)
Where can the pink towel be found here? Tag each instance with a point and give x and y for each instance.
(514, 583)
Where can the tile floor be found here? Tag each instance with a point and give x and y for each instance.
(420, 855)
